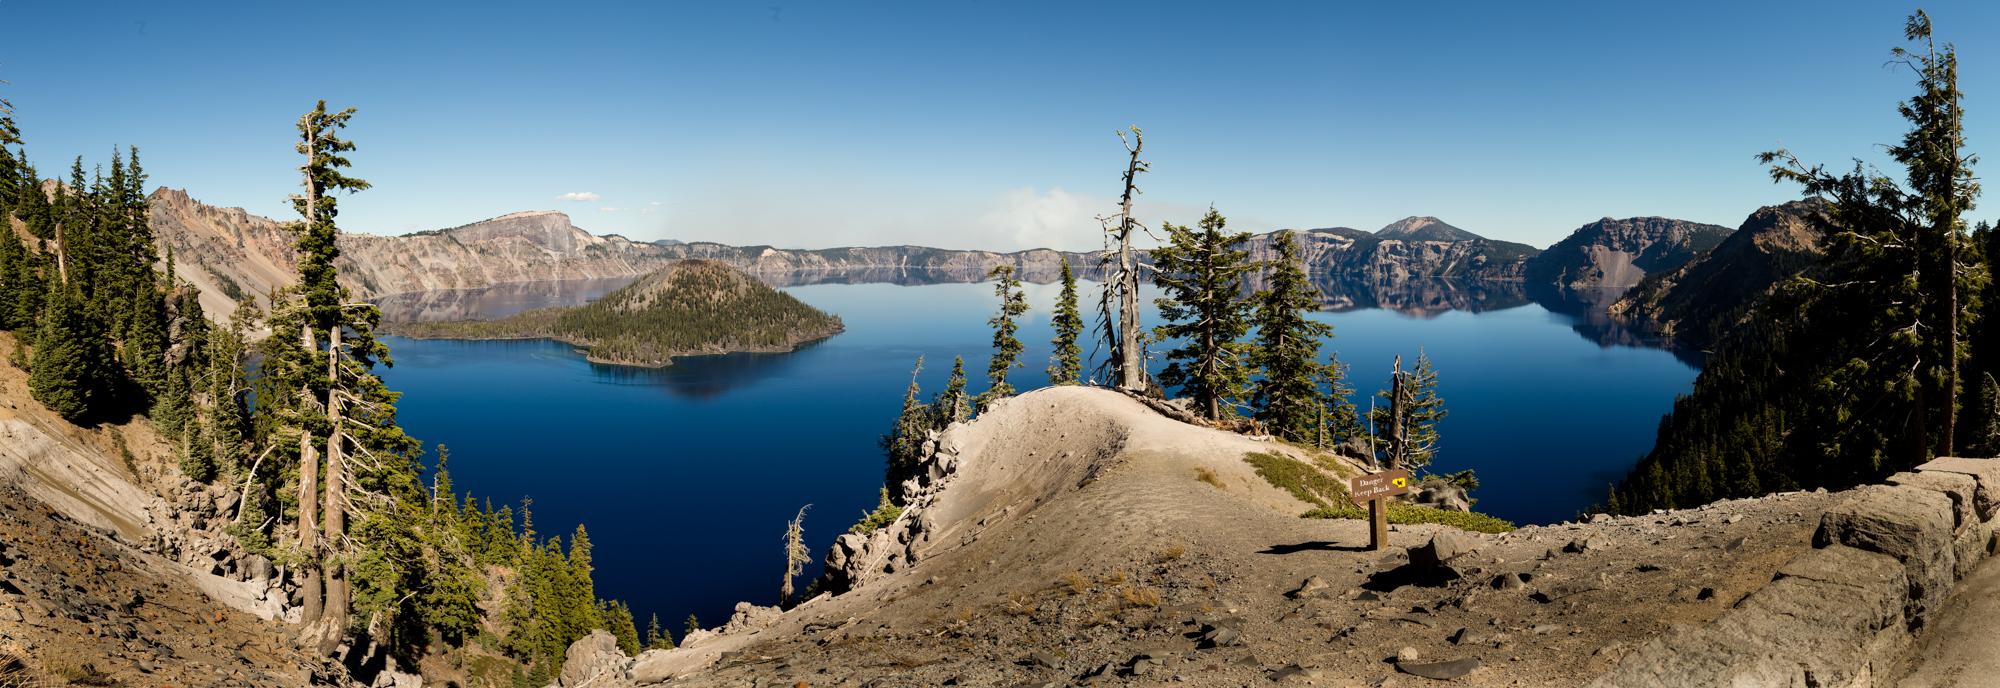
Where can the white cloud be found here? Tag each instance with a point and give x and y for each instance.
(579, 196)
(649, 211)
(611, 210)
(654, 203)
(827, 215)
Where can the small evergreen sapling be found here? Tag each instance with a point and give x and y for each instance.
(1006, 348)
(1066, 363)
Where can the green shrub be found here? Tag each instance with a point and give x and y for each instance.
(1305, 482)
(1405, 514)
(885, 514)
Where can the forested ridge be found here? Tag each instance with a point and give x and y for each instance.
(1873, 353)
(689, 307)
(332, 490)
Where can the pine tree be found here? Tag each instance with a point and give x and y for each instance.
(952, 405)
(1895, 262)
(796, 555)
(617, 618)
(1421, 410)
(1006, 348)
(197, 456)
(72, 362)
(903, 446)
(657, 639)
(1066, 363)
(1202, 274)
(1288, 398)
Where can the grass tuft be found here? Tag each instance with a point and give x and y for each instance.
(1074, 583)
(1173, 552)
(1114, 578)
(1204, 475)
(1141, 597)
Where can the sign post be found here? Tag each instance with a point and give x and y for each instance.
(1372, 490)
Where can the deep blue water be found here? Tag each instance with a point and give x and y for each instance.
(685, 476)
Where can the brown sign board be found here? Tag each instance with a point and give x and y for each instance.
(1368, 488)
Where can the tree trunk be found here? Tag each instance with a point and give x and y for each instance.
(309, 509)
(336, 514)
(1131, 371)
(1396, 437)
(308, 529)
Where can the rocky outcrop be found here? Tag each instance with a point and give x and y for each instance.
(1618, 253)
(1698, 303)
(1841, 614)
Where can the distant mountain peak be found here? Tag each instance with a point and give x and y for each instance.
(1425, 229)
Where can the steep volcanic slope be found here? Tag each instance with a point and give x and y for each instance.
(1618, 253)
(1699, 302)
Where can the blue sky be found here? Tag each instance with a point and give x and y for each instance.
(983, 124)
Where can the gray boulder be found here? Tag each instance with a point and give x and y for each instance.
(1912, 526)
(1442, 495)
(595, 659)
(1446, 545)
(1836, 611)
(1357, 449)
(1689, 657)
(1985, 500)
(1958, 486)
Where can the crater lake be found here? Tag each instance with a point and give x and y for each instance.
(685, 476)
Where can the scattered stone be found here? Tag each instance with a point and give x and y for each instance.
(1546, 629)
(1600, 518)
(1587, 544)
(1733, 519)
(1369, 596)
(1295, 672)
(1443, 671)
(1610, 647)
(1310, 586)
(1045, 659)
(1508, 581)
(1420, 621)
(1384, 682)
(1407, 654)
(1223, 637)
(1465, 636)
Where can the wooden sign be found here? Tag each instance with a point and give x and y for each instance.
(1369, 488)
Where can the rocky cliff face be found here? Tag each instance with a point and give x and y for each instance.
(1619, 253)
(226, 252)
(1700, 301)
(229, 254)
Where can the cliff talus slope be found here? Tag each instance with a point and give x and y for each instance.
(1619, 253)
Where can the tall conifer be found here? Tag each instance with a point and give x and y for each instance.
(1202, 273)
(1288, 398)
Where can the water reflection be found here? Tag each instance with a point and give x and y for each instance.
(1421, 298)
(497, 301)
(706, 377)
